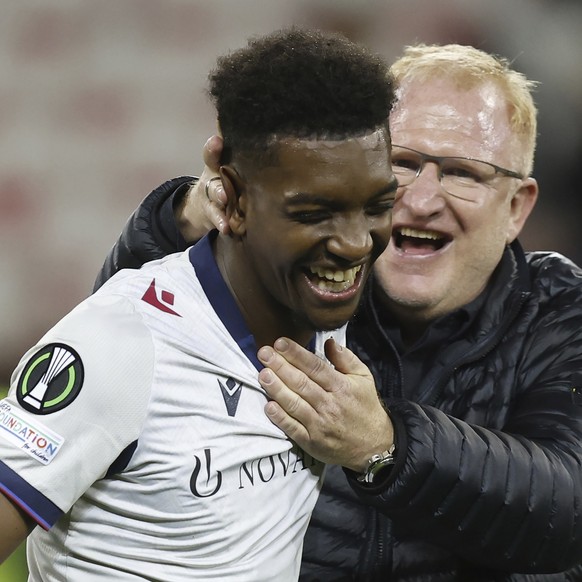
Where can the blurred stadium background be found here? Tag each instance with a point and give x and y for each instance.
(102, 101)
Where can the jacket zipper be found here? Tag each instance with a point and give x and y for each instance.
(381, 527)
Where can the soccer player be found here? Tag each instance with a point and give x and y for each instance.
(134, 439)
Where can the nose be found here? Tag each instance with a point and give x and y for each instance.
(352, 240)
(424, 196)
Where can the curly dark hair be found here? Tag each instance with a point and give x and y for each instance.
(298, 83)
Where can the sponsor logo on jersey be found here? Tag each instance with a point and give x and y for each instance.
(205, 481)
(50, 380)
(161, 301)
(29, 435)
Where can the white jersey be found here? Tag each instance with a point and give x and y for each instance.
(135, 435)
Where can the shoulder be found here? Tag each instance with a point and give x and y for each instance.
(113, 332)
(554, 277)
(161, 284)
(544, 262)
(554, 310)
(107, 333)
(167, 299)
(101, 352)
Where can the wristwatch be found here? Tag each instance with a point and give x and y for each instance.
(376, 463)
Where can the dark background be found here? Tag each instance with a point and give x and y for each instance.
(101, 101)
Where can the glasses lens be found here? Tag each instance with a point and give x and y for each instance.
(405, 165)
(460, 177)
(465, 178)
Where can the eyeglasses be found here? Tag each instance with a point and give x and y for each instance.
(464, 178)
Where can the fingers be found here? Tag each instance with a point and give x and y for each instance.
(212, 152)
(215, 204)
(315, 368)
(215, 214)
(195, 215)
(203, 208)
(334, 414)
(214, 191)
(287, 384)
(344, 360)
(207, 185)
(287, 410)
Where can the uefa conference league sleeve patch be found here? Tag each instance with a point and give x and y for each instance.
(50, 380)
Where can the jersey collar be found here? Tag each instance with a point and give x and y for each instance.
(220, 297)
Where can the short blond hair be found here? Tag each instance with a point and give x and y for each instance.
(470, 67)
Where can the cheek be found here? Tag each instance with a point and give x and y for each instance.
(486, 241)
(380, 226)
(383, 271)
(273, 248)
(493, 223)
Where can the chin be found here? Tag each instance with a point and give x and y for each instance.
(414, 289)
(331, 327)
(416, 302)
(329, 323)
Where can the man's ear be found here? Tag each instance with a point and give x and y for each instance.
(522, 204)
(236, 199)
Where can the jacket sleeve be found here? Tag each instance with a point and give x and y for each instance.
(150, 232)
(507, 499)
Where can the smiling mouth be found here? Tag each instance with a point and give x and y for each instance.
(412, 240)
(334, 281)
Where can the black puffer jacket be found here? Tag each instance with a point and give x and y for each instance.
(488, 480)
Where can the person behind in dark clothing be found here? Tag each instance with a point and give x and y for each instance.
(134, 433)
(474, 346)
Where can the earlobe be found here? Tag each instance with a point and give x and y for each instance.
(522, 203)
(235, 190)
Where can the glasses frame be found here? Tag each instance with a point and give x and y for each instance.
(438, 160)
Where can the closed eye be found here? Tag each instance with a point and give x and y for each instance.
(406, 164)
(380, 208)
(309, 216)
(462, 173)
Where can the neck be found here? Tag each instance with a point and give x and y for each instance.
(411, 324)
(266, 319)
(412, 332)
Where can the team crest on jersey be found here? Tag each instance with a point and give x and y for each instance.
(50, 380)
(231, 390)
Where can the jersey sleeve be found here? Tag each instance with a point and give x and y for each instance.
(77, 400)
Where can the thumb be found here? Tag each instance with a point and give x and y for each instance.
(344, 360)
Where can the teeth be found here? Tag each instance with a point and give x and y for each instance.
(335, 280)
(348, 275)
(429, 234)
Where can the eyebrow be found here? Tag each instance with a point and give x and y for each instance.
(307, 198)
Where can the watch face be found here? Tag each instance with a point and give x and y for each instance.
(377, 464)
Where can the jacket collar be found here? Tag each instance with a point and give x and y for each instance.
(488, 314)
